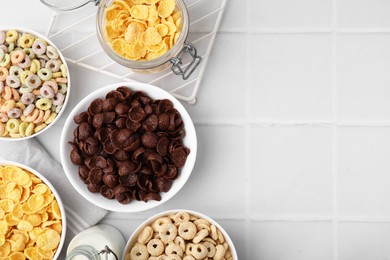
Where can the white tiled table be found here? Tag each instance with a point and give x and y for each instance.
(293, 119)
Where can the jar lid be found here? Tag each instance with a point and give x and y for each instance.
(67, 5)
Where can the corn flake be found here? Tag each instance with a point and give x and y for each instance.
(30, 217)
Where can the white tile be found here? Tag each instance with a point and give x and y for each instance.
(362, 241)
(291, 171)
(222, 91)
(364, 167)
(291, 14)
(363, 13)
(291, 76)
(290, 240)
(233, 18)
(362, 76)
(216, 186)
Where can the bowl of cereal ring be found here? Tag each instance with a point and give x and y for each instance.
(143, 35)
(128, 147)
(34, 84)
(32, 215)
(180, 234)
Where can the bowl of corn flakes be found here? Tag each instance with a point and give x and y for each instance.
(32, 215)
(144, 35)
(180, 234)
(34, 84)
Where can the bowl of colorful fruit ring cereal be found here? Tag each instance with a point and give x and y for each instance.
(180, 234)
(34, 84)
(32, 215)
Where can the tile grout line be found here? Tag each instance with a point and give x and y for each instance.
(247, 131)
(334, 132)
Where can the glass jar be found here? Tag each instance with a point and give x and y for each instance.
(172, 58)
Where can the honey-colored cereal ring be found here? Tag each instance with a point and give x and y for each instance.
(30, 129)
(221, 238)
(173, 257)
(200, 236)
(39, 118)
(145, 235)
(188, 257)
(199, 227)
(139, 252)
(168, 233)
(11, 36)
(210, 248)
(199, 251)
(155, 247)
(181, 217)
(3, 117)
(187, 230)
(51, 118)
(157, 224)
(39, 128)
(180, 242)
(173, 249)
(219, 253)
(33, 116)
(189, 248)
(7, 106)
(214, 234)
(3, 73)
(12, 126)
(17, 56)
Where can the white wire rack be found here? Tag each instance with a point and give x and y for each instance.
(75, 35)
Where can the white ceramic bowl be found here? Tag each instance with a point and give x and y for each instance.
(133, 239)
(71, 170)
(56, 195)
(38, 35)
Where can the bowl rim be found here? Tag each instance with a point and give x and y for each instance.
(96, 198)
(150, 220)
(67, 97)
(56, 196)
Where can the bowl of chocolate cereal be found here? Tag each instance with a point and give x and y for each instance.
(128, 147)
(180, 234)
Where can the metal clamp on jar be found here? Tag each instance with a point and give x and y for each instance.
(173, 58)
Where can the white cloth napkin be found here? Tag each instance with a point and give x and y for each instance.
(80, 213)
